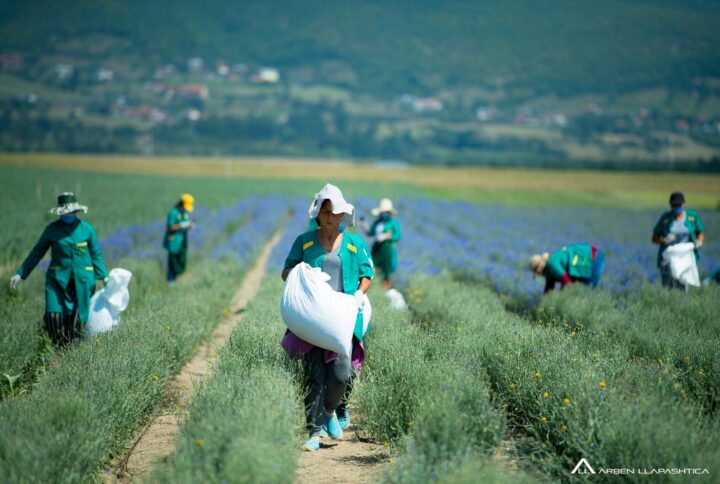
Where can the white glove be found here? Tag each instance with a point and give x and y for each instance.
(185, 224)
(14, 281)
(669, 238)
(698, 244)
(382, 237)
(360, 298)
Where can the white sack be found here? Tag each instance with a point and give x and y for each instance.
(683, 266)
(397, 301)
(107, 304)
(316, 313)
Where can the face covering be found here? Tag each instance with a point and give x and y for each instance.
(384, 216)
(69, 218)
(676, 210)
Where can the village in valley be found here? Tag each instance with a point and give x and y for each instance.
(129, 107)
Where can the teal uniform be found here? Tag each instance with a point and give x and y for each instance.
(384, 253)
(662, 229)
(75, 256)
(574, 259)
(176, 242)
(354, 258)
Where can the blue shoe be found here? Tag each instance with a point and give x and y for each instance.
(333, 427)
(323, 432)
(312, 444)
(344, 419)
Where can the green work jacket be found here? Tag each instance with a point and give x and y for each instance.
(391, 227)
(575, 259)
(176, 241)
(354, 258)
(74, 254)
(662, 229)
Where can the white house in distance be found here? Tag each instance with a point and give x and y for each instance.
(266, 75)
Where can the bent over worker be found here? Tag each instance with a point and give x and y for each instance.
(176, 235)
(344, 257)
(76, 262)
(582, 263)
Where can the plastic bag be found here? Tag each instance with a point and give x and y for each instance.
(107, 304)
(683, 267)
(397, 301)
(316, 313)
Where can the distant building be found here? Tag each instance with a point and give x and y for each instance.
(267, 75)
(223, 69)
(104, 75)
(195, 64)
(486, 114)
(427, 105)
(64, 71)
(11, 62)
(193, 91)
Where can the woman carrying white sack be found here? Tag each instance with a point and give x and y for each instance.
(344, 257)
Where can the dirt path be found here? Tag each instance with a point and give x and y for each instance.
(157, 440)
(349, 460)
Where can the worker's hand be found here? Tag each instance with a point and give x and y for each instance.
(698, 244)
(360, 298)
(105, 281)
(382, 237)
(185, 225)
(669, 239)
(14, 281)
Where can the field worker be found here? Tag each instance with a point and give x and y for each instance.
(176, 237)
(345, 258)
(76, 263)
(574, 263)
(385, 232)
(678, 225)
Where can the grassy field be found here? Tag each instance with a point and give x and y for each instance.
(546, 187)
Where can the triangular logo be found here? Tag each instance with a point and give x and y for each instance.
(588, 469)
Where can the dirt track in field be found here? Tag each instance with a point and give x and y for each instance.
(158, 439)
(350, 460)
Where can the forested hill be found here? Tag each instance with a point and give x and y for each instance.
(563, 46)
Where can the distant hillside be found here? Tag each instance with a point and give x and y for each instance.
(564, 46)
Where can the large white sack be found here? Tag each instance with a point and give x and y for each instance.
(683, 265)
(107, 304)
(316, 313)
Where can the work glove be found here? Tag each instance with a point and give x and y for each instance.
(698, 244)
(382, 237)
(359, 298)
(14, 281)
(669, 238)
(186, 224)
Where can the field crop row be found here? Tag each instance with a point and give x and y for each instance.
(666, 328)
(578, 394)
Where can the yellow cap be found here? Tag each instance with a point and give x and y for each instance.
(188, 201)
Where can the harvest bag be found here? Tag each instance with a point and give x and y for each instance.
(683, 266)
(107, 304)
(316, 313)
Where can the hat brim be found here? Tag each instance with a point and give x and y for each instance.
(347, 209)
(68, 209)
(377, 211)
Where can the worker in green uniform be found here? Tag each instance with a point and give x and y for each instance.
(676, 226)
(385, 233)
(76, 263)
(344, 257)
(583, 263)
(176, 235)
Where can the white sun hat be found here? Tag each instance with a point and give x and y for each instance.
(339, 205)
(386, 205)
(67, 203)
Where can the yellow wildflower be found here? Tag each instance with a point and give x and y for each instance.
(700, 372)
(565, 427)
(155, 378)
(538, 374)
(543, 418)
(572, 334)
(199, 442)
(512, 386)
(546, 394)
(566, 401)
(602, 384)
